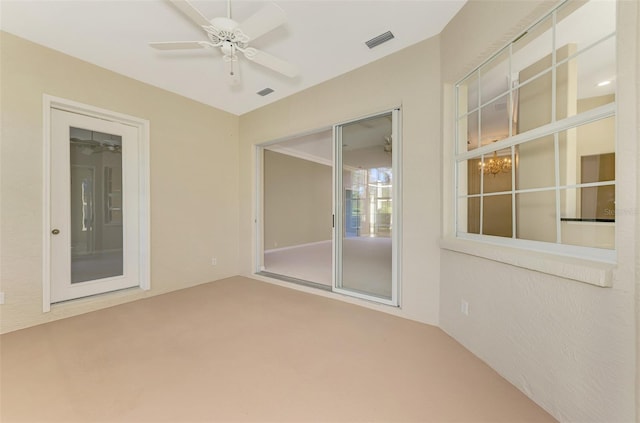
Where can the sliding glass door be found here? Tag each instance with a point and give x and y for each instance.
(366, 207)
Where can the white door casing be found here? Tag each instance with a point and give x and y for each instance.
(57, 281)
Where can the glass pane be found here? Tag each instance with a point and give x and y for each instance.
(536, 164)
(594, 140)
(367, 246)
(497, 218)
(468, 132)
(297, 209)
(495, 120)
(497, 168)
(588, 232)
(585, 23)
(96, 205)
(495, 77)
(468, 94)
(473, 219)
(469, 177)
(596, 74)
(533, 102)
(531, 53)
(536, 216)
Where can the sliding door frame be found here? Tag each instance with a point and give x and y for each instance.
(258, 259)
(396, 221)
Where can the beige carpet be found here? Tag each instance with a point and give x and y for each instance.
(243, 350)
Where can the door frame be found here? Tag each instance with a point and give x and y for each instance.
(396, 221)
(258, 207)
(142, 125)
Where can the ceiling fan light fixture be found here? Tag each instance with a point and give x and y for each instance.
(265, 91)
(382, 38)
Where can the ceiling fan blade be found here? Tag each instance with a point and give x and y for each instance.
(178, 45)
(271, 62)
(264, 20)
(191, 12)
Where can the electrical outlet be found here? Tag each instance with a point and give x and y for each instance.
(1, 297)
(214, 261)
(464, 307)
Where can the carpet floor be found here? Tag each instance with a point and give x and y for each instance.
(243, 350)
(366, 265)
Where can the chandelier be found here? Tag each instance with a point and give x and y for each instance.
(495, 165)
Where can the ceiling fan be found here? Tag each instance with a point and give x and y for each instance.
(232, 37)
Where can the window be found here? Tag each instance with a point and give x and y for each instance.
(535, 137)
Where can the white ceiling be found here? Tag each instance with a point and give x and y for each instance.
(324, 38)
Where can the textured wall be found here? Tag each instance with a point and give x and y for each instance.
(194, 192)
(568, 345)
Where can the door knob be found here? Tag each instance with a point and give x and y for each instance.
(55, 231)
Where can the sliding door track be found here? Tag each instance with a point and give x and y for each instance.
(295, 280)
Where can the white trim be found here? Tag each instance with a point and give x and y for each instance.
(592, 115)
(258, 219)
(291, 247)
(561, 250)
(142, 125)
(301, 155)
(46, 205)
(592, 272)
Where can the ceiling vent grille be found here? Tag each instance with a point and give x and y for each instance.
(382, 38)
(264, 92)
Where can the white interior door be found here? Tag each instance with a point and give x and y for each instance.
(94, 208)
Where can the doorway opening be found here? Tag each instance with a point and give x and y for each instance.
(297, 180)
(328, 209)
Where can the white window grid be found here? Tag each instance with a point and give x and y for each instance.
(555, 127)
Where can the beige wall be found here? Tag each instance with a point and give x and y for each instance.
(568, 345)
(194, 201)
(409, 78)
(297, 201)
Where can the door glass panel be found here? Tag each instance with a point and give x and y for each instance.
(96, 205)
(367, 189)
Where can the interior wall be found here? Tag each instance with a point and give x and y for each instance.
(568, 345)
(410, 79)
(193, 163)
(297, 201)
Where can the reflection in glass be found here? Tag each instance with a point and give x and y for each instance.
(472, 215)
(534, 102)
(468, 132)
(587, 232)
(494, 124)
(468, 94)
(497, 219)
(536, 216)
(96, 205)
(494, 77)
(595, 75)
(530, 48)
(367, 219)
(536, 164)
(586, 22)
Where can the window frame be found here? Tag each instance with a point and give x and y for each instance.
(555, 127)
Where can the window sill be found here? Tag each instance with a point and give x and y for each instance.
(582, 270)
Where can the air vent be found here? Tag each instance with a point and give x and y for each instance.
(382, 38)
(264, 92)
